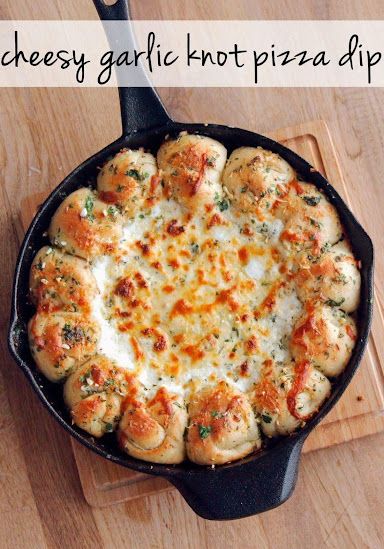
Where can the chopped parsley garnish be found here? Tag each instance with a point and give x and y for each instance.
(221, 203)
(89, 208)
(194, 248)
(136, 175)
(112, 211)
(333, 303)
(325, 248)
(311, 200)
(85, 376)
(263, 228)
(216, 414)
(109, 382)
(73, 334)
(204, 431)
(266, 418)
(315, 223)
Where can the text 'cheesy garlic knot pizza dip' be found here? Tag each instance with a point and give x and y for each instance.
(192, 303)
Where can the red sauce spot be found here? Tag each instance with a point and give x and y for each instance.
(296, 185)
(109, 197)
(168, 289)
(136, 348)
(215, 220)
(124, 288)
(122, 314)
(185, 253)
(350, 331)
(301, 375)
(40, 343)
(247, 230)
(251, 344)
(126, 327)
(193, 352)
(181, 307)
(173, 229)
(309, 325)
(178, 338)
(198, 181)
(269, 302)
(160, 343)
(174, 263)
(155, 180)
(225, 296)
(243, 254)
(275, 254)
(201, 277)
(143, 247)
(141, 282)
(244, 368)
(291, 237)
(97, 375)
(227, 276)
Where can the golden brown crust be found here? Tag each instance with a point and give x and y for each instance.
(94, 394)
(252, 173)
(311, 222)
(333, 278)
(191, 167)
(85, 226)
(129, 179)
(154, 431)
(61, 341)
(59, 281)
(326, 336)
(287, 395)
(222, 426)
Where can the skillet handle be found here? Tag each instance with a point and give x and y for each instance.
(237, 491)
(141, 107)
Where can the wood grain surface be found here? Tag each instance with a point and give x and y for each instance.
(45, 133)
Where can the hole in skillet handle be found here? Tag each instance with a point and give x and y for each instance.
(112, 9)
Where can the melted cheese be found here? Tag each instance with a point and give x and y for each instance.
(191, 300)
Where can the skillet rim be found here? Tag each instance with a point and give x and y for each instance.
(303, 167)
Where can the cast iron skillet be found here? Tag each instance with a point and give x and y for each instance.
(258, 482)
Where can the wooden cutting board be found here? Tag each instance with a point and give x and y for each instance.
(359, 412)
